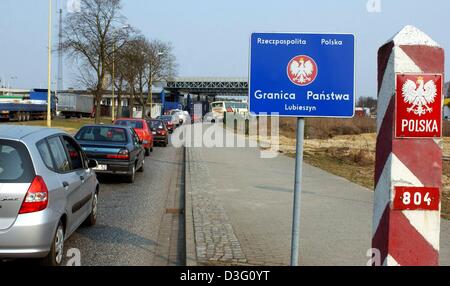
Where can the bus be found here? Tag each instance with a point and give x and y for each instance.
(218, 108)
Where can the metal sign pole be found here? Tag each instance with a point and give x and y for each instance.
(297, 192)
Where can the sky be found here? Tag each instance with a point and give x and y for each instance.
(211, 38)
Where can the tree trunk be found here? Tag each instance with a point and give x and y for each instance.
(131, 105)
(119, 103)
(150, 95)
(98, 109)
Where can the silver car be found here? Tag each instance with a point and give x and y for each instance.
(47, 190)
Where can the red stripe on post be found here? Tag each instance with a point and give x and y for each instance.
(412, 154)
(428, 59)
(384, 53)
(379, 240)
(384, 140)
(407, 246)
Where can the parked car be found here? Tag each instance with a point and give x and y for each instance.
(159, 131)
(182, 116)
(48, 189)
(117, 149)
(209, 118)
(170, 122)
(140, 126)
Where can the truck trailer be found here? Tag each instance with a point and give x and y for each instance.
(25, 107)
(75, 105)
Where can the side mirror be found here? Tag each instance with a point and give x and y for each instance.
(92, 164)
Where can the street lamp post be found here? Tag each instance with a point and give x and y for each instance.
(113, 82)
(151, 87)
(49, 92)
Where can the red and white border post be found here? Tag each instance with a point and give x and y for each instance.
(408, 171)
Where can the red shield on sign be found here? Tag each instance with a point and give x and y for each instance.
(302, 70)
(418, 106)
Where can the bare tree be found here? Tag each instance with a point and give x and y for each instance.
(367, 101)
(161, 66)
(89, 36)
(132, 61)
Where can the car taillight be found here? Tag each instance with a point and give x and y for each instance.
(36, 198)
(162, 132)
(122, 155)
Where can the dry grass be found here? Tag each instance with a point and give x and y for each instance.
(70, 126)
(323, 128)
(446, 129)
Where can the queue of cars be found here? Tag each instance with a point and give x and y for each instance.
(49, 185)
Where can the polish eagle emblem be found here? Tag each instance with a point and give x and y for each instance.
(419, 95)
(302, 70)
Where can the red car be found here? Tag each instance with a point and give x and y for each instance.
(142, 129)
(196, 118)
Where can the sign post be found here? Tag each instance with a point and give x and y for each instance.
(408, 171)
(302, 75)
(295, 249)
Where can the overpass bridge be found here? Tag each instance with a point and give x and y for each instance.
(208, 86)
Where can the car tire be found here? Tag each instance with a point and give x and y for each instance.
(142, 168)
(151, 150)
(56, 254)
(131, 177)
(91, 220)
(147, 152)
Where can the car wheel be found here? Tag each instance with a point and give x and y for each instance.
(142, 168)
(147, 152)
(92, 218)
(55, 257)
(151, 150)
(131, 177)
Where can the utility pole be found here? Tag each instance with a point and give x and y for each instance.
(49, 79)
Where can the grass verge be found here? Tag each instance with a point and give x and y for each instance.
(69, 125)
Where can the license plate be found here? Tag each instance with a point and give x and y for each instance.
(101, 168)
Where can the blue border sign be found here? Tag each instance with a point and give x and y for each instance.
(302, 75)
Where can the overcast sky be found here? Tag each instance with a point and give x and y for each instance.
(211, 38)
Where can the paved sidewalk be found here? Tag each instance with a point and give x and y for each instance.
(242, 211)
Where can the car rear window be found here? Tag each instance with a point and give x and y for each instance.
(155, 124)
(131, 123)
(15, 163)
(102, 134)
(166, 118)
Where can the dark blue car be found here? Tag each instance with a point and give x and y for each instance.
(117, 149)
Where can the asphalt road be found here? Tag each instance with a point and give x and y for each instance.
(130, 216)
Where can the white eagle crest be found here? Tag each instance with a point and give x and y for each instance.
(419, 97)
(301, 70)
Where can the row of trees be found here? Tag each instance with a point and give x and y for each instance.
(101, 44)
